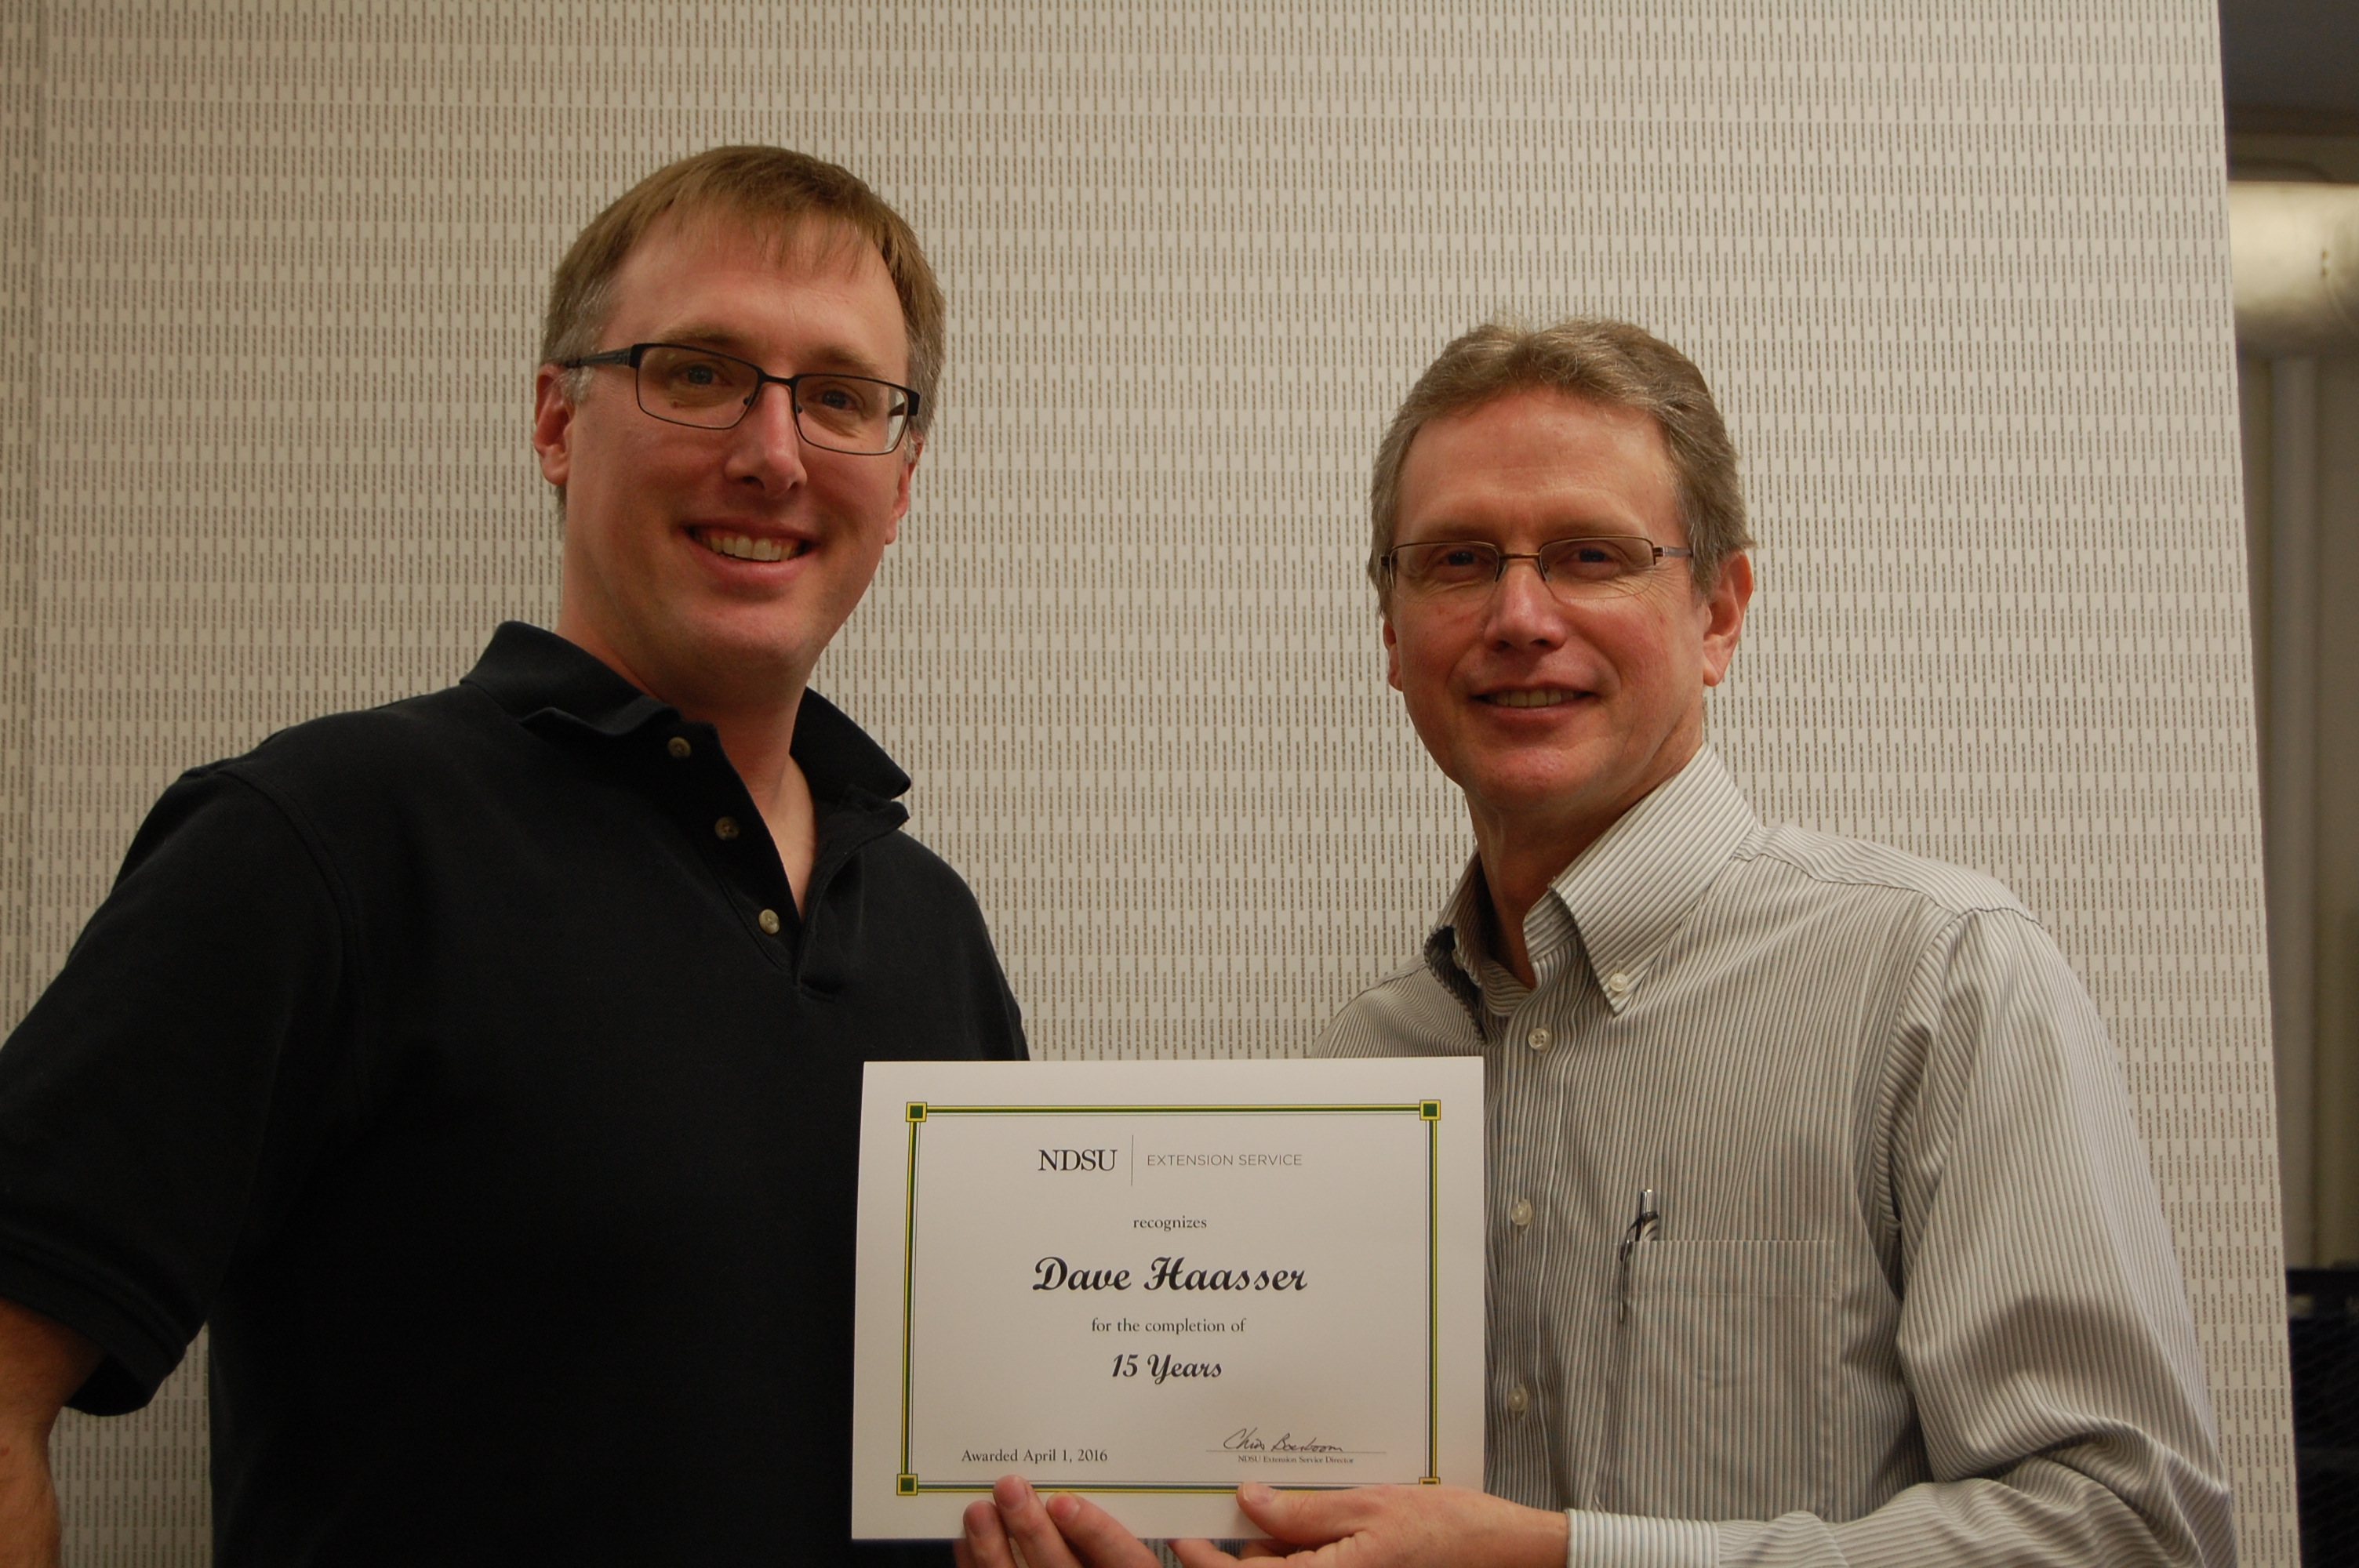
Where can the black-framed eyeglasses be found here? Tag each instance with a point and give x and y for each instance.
(685, 386)
(1572, 568)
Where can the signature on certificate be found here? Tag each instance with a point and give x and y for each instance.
(1249, 1440)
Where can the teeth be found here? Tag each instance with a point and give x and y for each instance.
(746, 547)
(1527, 699)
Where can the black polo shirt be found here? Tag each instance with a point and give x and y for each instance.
(466, 1063)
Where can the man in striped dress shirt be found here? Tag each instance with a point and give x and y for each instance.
(1820, 1232)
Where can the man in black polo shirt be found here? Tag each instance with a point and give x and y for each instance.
(485, 1067)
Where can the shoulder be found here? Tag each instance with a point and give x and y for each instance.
(1836, 865)
(1959, 956)
(403, 736)
(1834, 912)
(1407, 1013)
(911, 868)
(421, 754)
(314, 771)
(928, 906)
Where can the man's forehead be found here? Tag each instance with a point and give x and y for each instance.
(722, 279)
(1533, 437)
(797, 244)
(1568, 412)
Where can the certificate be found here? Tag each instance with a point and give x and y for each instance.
(1150, 1281)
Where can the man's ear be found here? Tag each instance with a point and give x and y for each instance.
(917, 445)
(1723, 615)
(552, 426)
(1392, 655)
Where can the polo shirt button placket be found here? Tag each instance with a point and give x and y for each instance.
(725, 829)
(678, 748)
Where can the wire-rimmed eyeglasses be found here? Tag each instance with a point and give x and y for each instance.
(1572, 568)
(710, 390)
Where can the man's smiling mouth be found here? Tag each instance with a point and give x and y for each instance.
(1541, 696)
(749, 546)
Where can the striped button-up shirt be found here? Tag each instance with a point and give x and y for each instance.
(1819, 1229)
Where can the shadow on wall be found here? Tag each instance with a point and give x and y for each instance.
(2296, 238)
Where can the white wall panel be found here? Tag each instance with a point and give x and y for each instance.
(1959, 271)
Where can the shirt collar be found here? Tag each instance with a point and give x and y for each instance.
(538, 678)
(1617, 904)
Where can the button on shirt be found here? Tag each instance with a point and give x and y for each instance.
(500, 1115)
(1821, 1231)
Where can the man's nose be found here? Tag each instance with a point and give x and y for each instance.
(1524, 610)
(769, 449)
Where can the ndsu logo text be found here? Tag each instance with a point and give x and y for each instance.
(1080, 1159)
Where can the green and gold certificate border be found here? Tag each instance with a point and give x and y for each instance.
(908, 1484)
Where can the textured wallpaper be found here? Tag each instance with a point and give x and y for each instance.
(1958, 270)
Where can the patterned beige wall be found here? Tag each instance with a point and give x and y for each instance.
(1958, 268)
(20, 270)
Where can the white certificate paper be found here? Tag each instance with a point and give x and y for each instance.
(1150, 1281)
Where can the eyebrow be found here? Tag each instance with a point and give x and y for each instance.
(705, 335)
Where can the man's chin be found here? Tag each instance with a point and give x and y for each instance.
(1529, 792)
(725, 662)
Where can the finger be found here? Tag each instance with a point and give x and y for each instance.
(1095, 1536)
(1302, 1518)
(1203, 1554)
(985, 1545)
(1029, 1528)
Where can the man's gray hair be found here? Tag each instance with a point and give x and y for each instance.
(1611, 364)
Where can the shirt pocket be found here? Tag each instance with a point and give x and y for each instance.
(1726, 1362)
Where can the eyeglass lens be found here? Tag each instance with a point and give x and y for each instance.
(842, 413)
(1568, 565)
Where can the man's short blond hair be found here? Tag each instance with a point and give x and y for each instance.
(770, 192)
(1611, 364)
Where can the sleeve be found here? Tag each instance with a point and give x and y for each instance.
(2044, 1334)
(1016, 1048)
(158, 1102)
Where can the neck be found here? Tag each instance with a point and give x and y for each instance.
(759, 743)
(758, 739)
(1522, 853)
(1516, 874)
(755, 720)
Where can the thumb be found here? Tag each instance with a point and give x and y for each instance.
(1298, 1518)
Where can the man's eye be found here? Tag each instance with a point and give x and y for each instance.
(1443, 565)
(838, 398)
(1449, 566)
(1591, 560)
(697, 376)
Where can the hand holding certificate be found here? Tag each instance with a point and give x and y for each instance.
(1148, 1283)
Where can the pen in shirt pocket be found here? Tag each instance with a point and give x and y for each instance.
(1644, 1227)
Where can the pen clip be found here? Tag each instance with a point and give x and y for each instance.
(1645, 1226)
